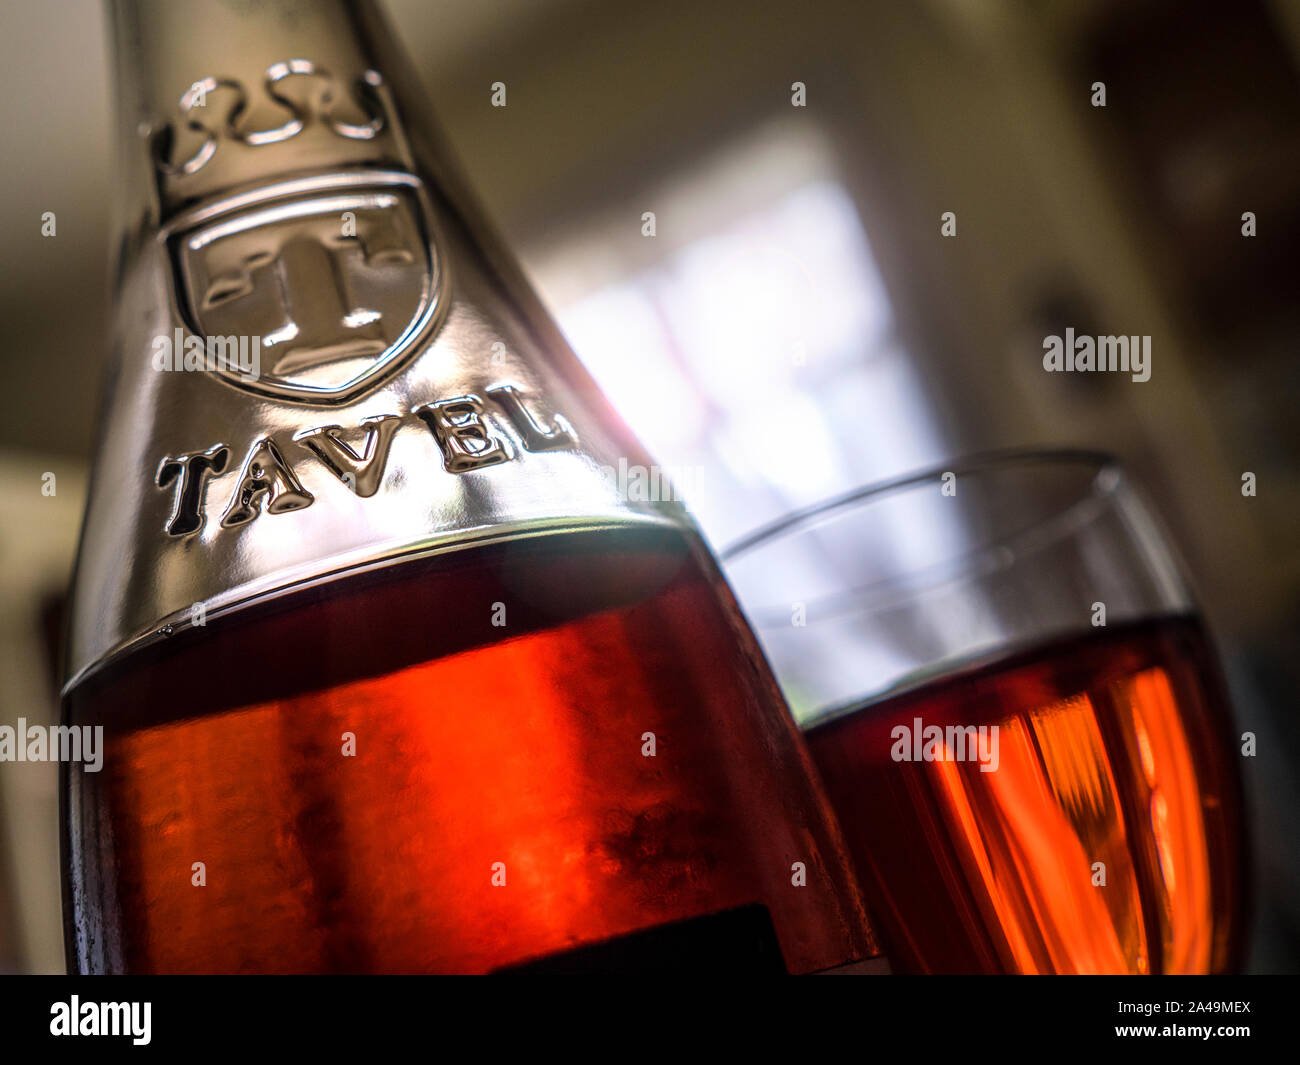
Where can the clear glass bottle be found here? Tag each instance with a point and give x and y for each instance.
(392, 675)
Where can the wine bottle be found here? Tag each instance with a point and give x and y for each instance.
(394, 676)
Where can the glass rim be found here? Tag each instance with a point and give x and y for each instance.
(976, 462)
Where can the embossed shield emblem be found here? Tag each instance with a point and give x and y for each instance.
(337, 288)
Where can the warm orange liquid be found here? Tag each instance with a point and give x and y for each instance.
(1112, 749)
(474, 745)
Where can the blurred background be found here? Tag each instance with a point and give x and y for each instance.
(797, 271)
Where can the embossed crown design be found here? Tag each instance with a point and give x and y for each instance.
(301, 117)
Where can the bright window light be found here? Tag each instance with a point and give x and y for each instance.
(751, 338)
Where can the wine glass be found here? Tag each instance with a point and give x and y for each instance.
(1017, 713)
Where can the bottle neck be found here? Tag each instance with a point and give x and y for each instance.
(213, 97)
(387, 382)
